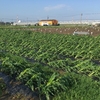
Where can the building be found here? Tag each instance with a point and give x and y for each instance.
(96, 23)
(48, 22)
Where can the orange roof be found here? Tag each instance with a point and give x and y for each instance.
(49, 20)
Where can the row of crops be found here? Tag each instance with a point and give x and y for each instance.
(52, 64)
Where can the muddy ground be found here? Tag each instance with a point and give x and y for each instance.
(69, 30)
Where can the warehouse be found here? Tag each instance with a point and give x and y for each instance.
(48, 22)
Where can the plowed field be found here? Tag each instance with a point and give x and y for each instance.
(69, 30)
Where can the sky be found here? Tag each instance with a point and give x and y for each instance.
(63, 10)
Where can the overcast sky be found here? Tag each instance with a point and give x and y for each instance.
(54, 9)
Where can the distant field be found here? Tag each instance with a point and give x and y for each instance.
(62, 29)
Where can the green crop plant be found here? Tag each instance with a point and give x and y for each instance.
(43, 61)
(84, 89)
(13, 65)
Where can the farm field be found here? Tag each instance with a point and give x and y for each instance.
(62, 29)
(94, 31)
(54, 66)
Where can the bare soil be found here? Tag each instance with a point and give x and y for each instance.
(14, 90)
(94, 31)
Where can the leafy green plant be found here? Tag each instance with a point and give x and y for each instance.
(13, 65)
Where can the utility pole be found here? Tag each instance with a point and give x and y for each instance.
(27, 21)
(81, 19)
(17, 19)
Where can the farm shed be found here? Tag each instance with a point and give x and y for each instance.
(48, 22)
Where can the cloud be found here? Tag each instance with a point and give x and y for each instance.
(57, 7)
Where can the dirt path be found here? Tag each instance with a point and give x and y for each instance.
(16, 90)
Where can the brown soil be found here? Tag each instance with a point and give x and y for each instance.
(5, 95)
(94, 31)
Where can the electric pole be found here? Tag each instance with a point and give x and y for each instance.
(81, 18)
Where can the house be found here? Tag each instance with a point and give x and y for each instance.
(48, 22)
